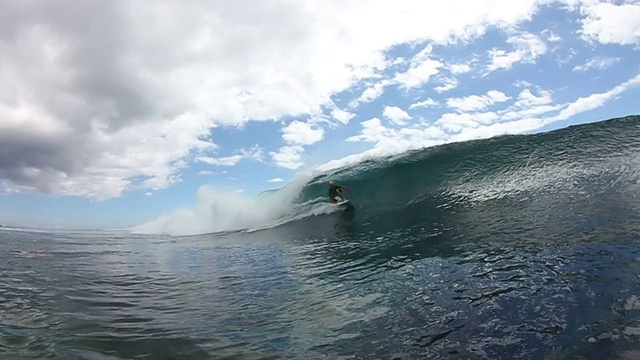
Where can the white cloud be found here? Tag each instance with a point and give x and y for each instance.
(419, 74)
(421, 68)
(477, 102)
(551, 36)
(513, 113)
(372, 92)
(372, 131)
(522, 84)
(456, 122)
(527, 99)
(289, 157)
(342, 116)
(254, 153)
(100, 163)
(388, 140)
(595, 101)
(529, 105)
(205, 172)
(302, 133)
(528, 47)
(599, 63)
(609, 23)
(276, 180)
(296, 134)
(221, 161)
(448, 84)
(428, 102)
(459, 68)
(396, 115)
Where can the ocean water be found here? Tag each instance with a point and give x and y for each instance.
(516, 247)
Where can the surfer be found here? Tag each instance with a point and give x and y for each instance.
(336, 190)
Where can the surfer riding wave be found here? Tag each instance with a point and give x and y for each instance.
(336, 191)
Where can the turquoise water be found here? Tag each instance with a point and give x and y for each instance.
(518, 247)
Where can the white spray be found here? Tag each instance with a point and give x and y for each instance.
(217, 211)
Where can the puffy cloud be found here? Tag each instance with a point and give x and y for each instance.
(396, 115)
(372, 92)
(477, 102)
(527, 99)
(447, 84)
(421, 68)
(90, 160)
(297, 135)
(457, 122)
(289, 157)
(419, 73)
(342, 116)
(276, 180)
(372, 131)
(459, 68)
(528, 47)
(428, 102)
(529, 105)
(302, 133)
(609, 23)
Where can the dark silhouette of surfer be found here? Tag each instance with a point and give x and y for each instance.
(336, 191)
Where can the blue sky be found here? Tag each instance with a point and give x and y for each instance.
(116, 123)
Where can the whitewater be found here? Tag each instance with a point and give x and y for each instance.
(219, 211)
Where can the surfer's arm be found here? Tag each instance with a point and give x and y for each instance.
(344, 187)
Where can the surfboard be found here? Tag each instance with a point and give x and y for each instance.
(342, 202)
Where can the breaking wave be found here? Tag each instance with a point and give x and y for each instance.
(506, 167)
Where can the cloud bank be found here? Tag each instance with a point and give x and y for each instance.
(101, 97)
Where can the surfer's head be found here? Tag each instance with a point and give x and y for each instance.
(332, 183)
